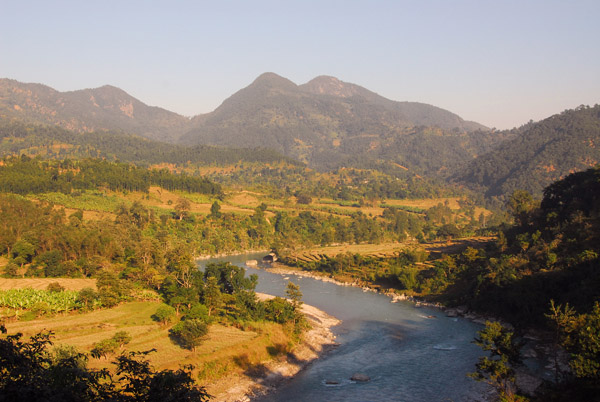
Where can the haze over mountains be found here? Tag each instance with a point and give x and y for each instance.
(272, 111)
(325, 123)
(104, 108)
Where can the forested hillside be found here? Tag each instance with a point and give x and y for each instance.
(33, 176)
(54, 142)
(539, 154)
(329, 123)
(104, 108)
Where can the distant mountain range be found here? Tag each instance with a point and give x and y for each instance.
(322, 122)
(326, 123)
(86, 110)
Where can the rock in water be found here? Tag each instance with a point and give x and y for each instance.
(360, 377)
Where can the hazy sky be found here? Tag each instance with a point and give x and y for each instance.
(498, 62)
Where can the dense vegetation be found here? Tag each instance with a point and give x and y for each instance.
(539, 154)
(31, 371)
(542, 272)
(26, 176)
(55, 142)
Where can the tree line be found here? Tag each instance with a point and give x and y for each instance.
(25, 175)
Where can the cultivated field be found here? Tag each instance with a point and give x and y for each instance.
(388, 249)
(42, 283)
(225, 351)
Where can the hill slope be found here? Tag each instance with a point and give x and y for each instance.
(324, 122)
(544, 152)
(55, 142)
(87, 110)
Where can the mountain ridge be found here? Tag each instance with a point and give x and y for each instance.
(103, 108)
(539, 154)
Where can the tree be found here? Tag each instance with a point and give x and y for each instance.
(139, 382)
(303, 199)
(22, 252)
(87, 297)
(520, 204)
(294, 294)
(30, 372)
(212, 295)
(182, 207)
(164, 314)
(190, 333)
(497, 369)
(215, 210)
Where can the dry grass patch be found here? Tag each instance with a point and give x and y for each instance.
(425, 203)
(245, 198)
(42, 283)
(364, 249)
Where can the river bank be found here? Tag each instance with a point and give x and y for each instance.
(229, 254)
(317, 341)
(536, 345)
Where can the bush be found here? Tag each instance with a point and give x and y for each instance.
(87, 298)
(109, 346)
(55, 287)
(104, 348)
(122, 338)
(197, 312)
(189, 333)
(164, 314)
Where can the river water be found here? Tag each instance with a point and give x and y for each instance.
(408, 355)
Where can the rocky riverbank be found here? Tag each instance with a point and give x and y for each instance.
(537, 349)
(315, 343)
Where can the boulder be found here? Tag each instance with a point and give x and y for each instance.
(451, 313)
(360, 377)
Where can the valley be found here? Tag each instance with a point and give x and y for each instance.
(103, 225)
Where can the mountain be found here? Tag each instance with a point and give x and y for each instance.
(86, 110)
(418, 114)
(540, 154)
(325, 122)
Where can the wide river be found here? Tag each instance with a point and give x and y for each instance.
(409, 355)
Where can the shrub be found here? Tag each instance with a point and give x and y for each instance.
(55, 287)
(197, 312)
(189, 333)
(87, 298)
(104, 348)
(164, 314)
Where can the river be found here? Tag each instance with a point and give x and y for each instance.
(410, 353)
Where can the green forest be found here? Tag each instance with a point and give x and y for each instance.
(504, 225)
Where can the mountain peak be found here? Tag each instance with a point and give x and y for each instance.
(327, 85)
(273, 80)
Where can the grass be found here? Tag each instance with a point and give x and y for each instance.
(42, 283)
(88, 200)
(225, 351)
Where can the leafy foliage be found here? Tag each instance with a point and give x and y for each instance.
(30, 372)
(498, 369)
(24, 176)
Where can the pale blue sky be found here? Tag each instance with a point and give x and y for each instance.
(500, 63)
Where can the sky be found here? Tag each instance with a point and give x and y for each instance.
(500, 63)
